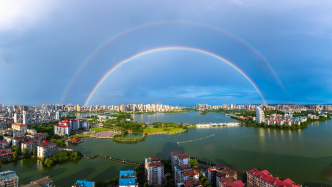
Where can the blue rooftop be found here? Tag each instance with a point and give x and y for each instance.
(85, 183)
(127, 172)
(127, 182)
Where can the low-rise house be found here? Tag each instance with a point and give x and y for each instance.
(4, 144)
(62, 130)
(189, 183)
(46, 150)
(19, 127)
(43, 182)
(31, 145)
(18, 140)
(31, 131)
(260, 178)
(38, 136)
(6, 154)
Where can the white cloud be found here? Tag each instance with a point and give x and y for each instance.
(20, 14)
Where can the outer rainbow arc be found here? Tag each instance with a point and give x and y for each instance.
(172, 48)
(116, 36)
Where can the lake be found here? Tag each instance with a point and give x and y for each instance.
(304, 155)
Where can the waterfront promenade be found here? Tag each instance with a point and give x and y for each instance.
(210, 125)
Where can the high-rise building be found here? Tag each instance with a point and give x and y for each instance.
(260, 118)
(78, 108)
(154, 171)
(179, 158)
(142, 107)
(58, 115)
(123, 107)
(27, 118)
(9, 178)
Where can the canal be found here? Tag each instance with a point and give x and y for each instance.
(305, 155)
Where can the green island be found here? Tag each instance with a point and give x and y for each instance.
(232, 111)
(123, 124)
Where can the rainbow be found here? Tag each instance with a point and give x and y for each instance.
(172, 48)
(118, 35)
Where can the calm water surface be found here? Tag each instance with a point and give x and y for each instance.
(303, 155)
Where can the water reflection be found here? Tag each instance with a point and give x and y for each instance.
(39, 165)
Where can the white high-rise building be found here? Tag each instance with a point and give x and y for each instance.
(58, 115)
(154, 171)
(260, 118)
(27, 118)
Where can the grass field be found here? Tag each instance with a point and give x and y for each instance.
(150, 130)
(82, 135)
(100, 129)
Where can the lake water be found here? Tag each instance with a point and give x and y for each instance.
(305, 155)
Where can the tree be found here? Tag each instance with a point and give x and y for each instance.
(206, 183)
(48, 162)
(34, 152)
(26, 152)
(15, 155)
(193, 162)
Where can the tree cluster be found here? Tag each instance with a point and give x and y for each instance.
(62, 156)
(205, 182)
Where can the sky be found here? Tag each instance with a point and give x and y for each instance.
(283, 47)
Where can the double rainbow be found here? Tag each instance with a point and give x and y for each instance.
(109, 72)
(133, 29)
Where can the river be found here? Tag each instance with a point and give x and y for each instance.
(305, 155)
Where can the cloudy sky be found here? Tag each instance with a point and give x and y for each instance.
(57, 51)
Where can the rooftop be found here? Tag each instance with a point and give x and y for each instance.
(48, 144)
(7, 174)
(177, 153)
(19, 124)
(127, 173)
(190, 172)
(127, 182)
(84, 183)
(267, 176)
(183, 156)
(230, 182)
(155, 164)
(39, 183)
(190, 182)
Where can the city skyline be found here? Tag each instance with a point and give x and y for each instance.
(179, 53)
